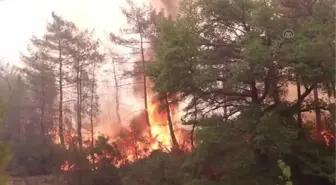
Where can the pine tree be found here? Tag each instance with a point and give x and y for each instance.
(232, 56)
(85, 59)
(116, 60)
(57, 39)
(138, 19)
(41, 84)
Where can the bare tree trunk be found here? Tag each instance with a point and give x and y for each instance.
(192, 132)
(79, 126)
(43, 106)
(79, 104)
(193, 128)
(116, 93)
(91, 114)
(43, 132)
(60, 83)
(319, 126)
(144, 82)
(80, 115)
(170, 123)
(298, 87)
(300, 121)
(225, 107)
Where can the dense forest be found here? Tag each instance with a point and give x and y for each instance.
(257, 106)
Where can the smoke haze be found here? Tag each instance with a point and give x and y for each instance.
(170, 6)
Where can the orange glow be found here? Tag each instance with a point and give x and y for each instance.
(139, 144)
(66, 166)
(134, 142)
(328, 137)
(159, 126)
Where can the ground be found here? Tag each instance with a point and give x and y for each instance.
(36, 180)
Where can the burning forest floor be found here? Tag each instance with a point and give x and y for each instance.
(128, 144)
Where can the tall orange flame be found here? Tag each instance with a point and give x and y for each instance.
(134, 142)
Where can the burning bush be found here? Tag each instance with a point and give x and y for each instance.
(136, 141)
(96, 165)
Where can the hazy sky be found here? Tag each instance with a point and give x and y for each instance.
(20, 19)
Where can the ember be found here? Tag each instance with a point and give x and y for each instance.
(66, 166)
(328, 137)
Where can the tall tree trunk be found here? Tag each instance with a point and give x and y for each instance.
(79, 127)
(43, 130)
(60, 83)
(299, 115)
(298, 88)
(79, 104)
(170, 123)
(91, 114)
(274, 84)
(144, 81)
(319, 126)
(80, 113)
(116, 93)
(225, 107)
(192, 132)
(193, 126)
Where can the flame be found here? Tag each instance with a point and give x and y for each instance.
(140, 143)
(327, 136)
(66, 166)
(159, 125)
(135, 142)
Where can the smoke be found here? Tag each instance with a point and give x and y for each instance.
(170, 6)
(136, 86)
(137, 75)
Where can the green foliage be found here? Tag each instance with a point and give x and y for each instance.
(178, 44)
(231, 55)
(275, 133)
(201, 182)
(35, 157)
(228, 61)
(4, 158)
(4, 152)
(101, 170)
(160, 168)
(286, 172)
(315, 159)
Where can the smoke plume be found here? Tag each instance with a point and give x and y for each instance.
(170, 6)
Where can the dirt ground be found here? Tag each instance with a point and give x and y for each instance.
(36, 180)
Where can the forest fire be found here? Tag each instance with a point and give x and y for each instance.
(328, 137)
(137, 140)
(66, 166)
(159, 126)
